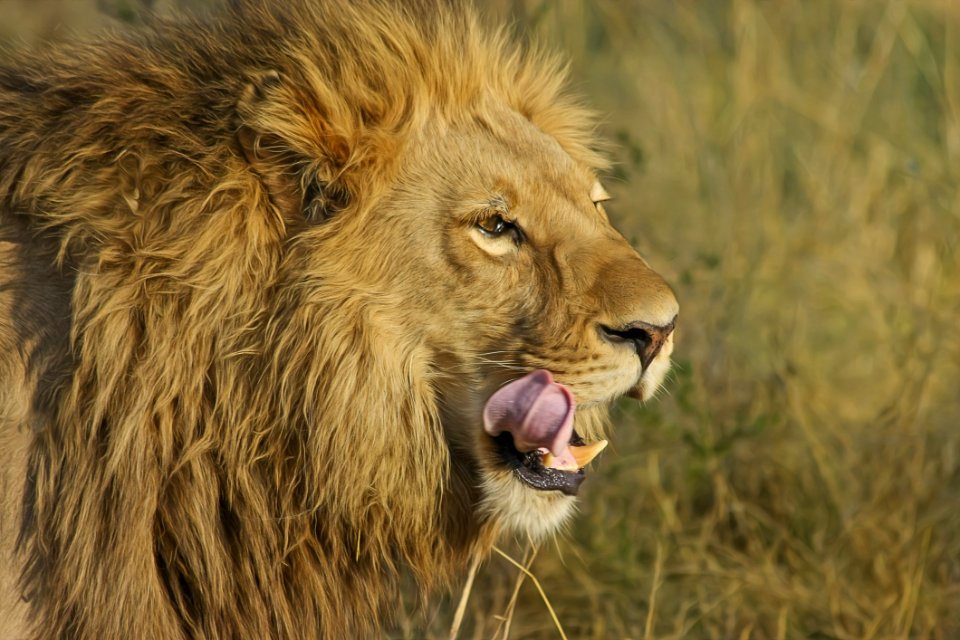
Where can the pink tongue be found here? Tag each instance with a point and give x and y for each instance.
(537, 411)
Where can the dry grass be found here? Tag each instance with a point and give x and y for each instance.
(793, 168)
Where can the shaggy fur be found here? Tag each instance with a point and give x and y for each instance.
(247, 323)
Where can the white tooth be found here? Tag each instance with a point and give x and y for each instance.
(585, 453)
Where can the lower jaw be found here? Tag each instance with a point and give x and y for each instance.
(527, 469)
(516, 508)
(566, 482)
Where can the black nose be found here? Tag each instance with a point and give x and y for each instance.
(647, 339)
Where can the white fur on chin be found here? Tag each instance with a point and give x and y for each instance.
(522, 509)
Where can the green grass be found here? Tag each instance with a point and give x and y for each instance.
(792, 167)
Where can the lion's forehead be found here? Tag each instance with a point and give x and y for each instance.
(536, 181)
(510, 154)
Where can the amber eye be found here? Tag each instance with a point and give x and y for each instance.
(496, 227)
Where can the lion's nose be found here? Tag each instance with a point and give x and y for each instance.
(646, 339)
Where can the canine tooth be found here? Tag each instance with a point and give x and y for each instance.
(585, 453)
(551, 461)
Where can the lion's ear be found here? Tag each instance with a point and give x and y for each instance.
(301, 177)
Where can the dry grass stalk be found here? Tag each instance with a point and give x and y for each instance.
(536, 583)
(654, 586)
(503, 630)
(464, 597)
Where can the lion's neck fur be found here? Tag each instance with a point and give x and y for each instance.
(290, 468)
(241, 451)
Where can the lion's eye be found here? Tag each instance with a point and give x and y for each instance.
(598, 194)
(496, 227)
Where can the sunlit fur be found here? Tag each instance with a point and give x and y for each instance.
(248, 328)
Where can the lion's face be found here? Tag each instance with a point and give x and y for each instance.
(516, 275)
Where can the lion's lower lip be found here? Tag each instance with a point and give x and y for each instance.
(529, 469)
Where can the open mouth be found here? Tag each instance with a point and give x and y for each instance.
(531, 423)
(532, 467)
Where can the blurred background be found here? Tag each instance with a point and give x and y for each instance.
(792, 167)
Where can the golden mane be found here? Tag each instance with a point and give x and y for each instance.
(208, 459)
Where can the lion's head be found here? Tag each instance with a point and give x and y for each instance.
(345, 302)
(493, 256)
(516, 275)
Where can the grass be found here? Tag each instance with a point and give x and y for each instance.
(793, 168)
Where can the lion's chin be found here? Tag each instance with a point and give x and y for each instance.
(521, 509)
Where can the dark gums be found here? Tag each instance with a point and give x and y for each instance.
(530, 470)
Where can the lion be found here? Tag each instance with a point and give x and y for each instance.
(297, 301)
